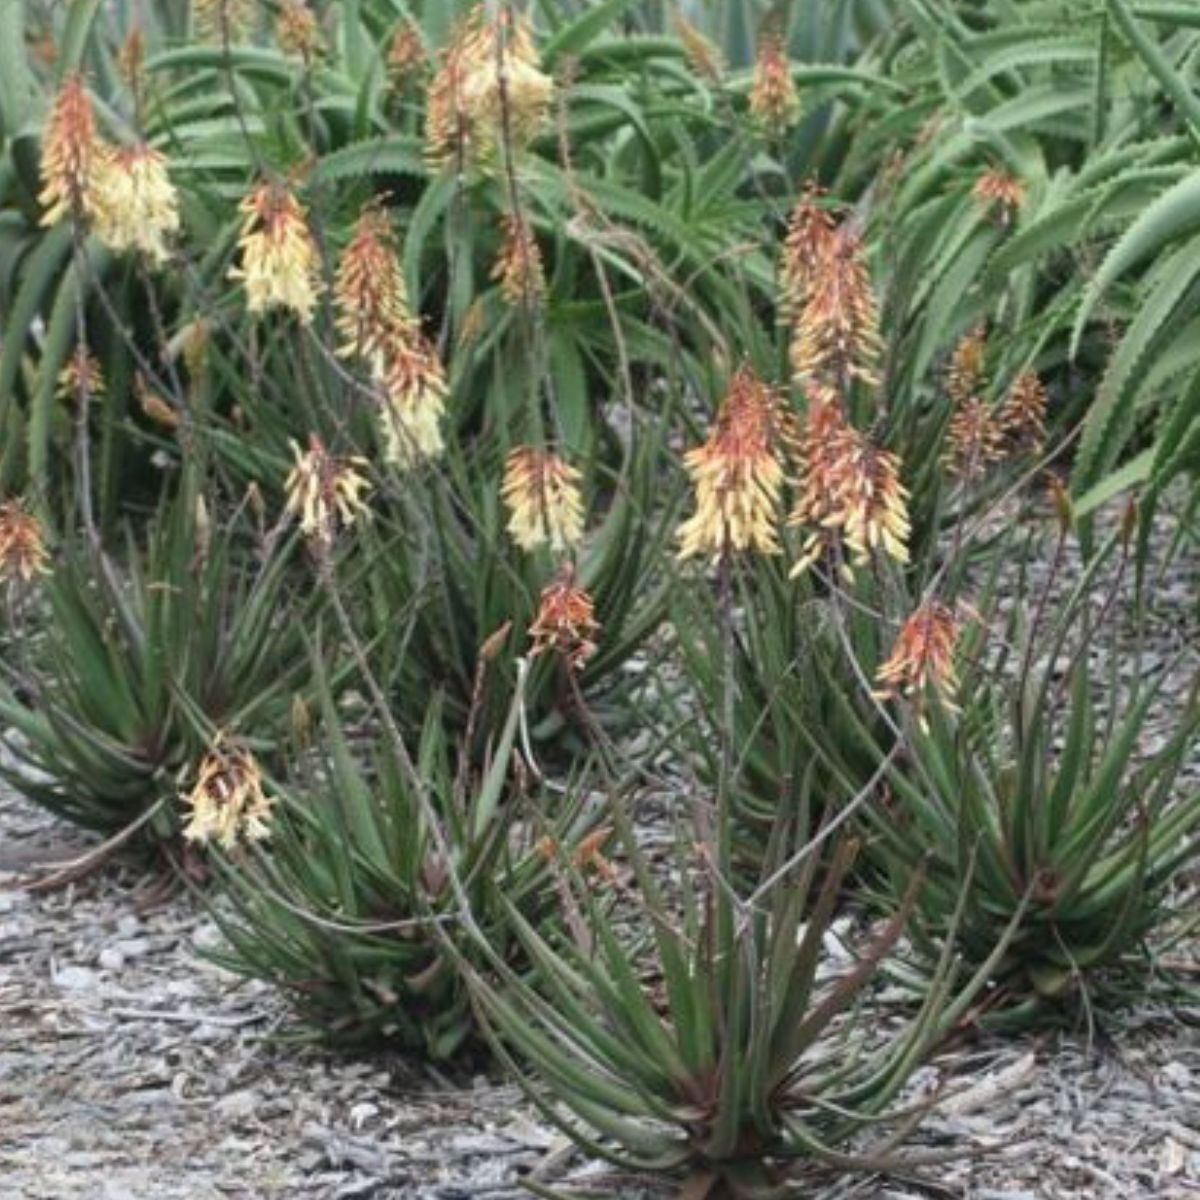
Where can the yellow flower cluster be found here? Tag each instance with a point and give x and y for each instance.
(280, 267)
(228, 802)
(322, 490)
(544, 501)
(23, 555)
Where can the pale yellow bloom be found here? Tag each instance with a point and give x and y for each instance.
(414, 390)
(228, 802)
(544, 501)
(323, 491)
(136, 206)
(71, 150)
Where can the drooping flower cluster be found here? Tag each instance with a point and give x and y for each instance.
(71, 153)
(545, 504)
(737, 474)
(836, 334)
(810, 234)
(565, 622)
(136, 205)
(377, 327)
(995, 191)
(488, 88)
(849, 491)
(774, 101)
(922, 657)
(280, 267)
(23, 555)
(518, 267)
(324, 492)
(228, 802)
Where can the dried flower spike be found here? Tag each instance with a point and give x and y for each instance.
(774, 101)
(837, 333)
(298, 31)
(406, 56)
(565, 622)
(543, 498)
(221, 20)
(136, 206)
(923, 657)
(518, 267)
(323, 491)
(737, 475)
(974, 440)
(471, 106)
(23, 555)
(280, 266)
(1023, 415)
(228, 802)
(81, 374)
(71, 151)
(965, 375)
(996, 191)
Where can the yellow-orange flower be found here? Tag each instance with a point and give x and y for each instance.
(406, 55)
(323, 491)
(280, 267)
(774, 100)
(1023, 414)
(414, 388)
(23, 555)
(71, 150)
(228, 801)
(298, 31)
(518, 267)
(923, 656)
(737, 474)
(809, 239)
(465, 111)
(837, 332)
(135, 205)
(82, 373)
(565, 622)
(997, 191)
(974, 440)
(544, 501)
(369, 293)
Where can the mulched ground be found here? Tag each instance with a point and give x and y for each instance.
(133, 1069)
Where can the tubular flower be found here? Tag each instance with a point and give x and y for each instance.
(323, 491)
(964, 376)
(369, 292)
(406, 56)
(837, 332)
(136, 206)
(975, 439)
(298, 31)
(774, 100)
(519, 265)
(71, 153)
(923, 656)
(737, 475)
(466, 103)
(994, 191)
(565, 622)
(849, 489)
(701, 53)
(414, 388)
(1023, 414)
(543, 498)
(809, 239)
(23, 555)
(228, 802)
(81, 374)
(280, 266)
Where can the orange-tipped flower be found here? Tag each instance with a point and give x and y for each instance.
(414, 388)
(406, 55)
(923, 656)
(298, 31)
(71, 152)
(565, 622)
(849, 489)
(324, 491)
(774, 100)
(965, 375)
(995, 191)
(369, 292)
(809, 239)
(465, 107)
(544, 501)
(23, 555)
(518, 267)
(280, 266)
(837, 333)
(135, 203)
(228, 802)
(1023, 414)
(975, 439)
(737, 475)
